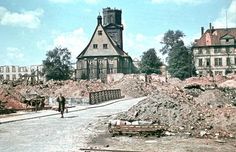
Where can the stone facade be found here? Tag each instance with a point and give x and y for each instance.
(215, 52)
(104, 53)
(13, 72)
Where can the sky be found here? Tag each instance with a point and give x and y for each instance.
(30, 28)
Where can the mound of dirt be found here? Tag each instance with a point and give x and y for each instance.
(132, 85)
(207, 115)
(9, 100)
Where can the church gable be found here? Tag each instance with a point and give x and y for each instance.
(100, 44)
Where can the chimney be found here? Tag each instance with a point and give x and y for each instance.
(210, 26)
(202, 31)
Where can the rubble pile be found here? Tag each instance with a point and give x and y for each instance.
(9, 101)
(68, 88)
(132, 85)
(209, 113)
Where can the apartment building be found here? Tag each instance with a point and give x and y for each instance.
(215, 51)
(13, 72)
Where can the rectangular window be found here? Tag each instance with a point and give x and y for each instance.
(104, 46)
(95, 46)
(227, 50)
(99, 32)
(218, 61)
(207, 51)
(7, 69)
(13, 69)
(7, 77)
(200, 62)
(228, 62)
(13, 77)
(208, 62)
(217, 50)
(200, 51)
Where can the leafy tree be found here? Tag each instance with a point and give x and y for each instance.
(180, 58)
(57, 65)
(150, 63)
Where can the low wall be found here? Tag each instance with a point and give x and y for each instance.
(104, 95)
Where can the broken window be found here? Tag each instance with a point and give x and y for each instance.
(7, 77)
(7, 69)
(13, 69)
(13, 77)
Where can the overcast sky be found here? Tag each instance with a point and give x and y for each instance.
(29, 28)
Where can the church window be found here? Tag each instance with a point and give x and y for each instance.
(95, 46)
(99, 32)
(104, 46)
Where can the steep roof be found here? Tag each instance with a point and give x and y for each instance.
(213, 36)
(113, 49)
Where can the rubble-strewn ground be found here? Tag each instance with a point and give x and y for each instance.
(102, 139)
(199, 106)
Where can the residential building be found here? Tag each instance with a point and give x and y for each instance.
(104, 53)
(215, 51)
(13, 72)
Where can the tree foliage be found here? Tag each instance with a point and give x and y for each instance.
(180, 58)
(57, 65)
(150, 63)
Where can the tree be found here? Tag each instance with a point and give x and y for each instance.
(150, 63)
(180, 58)
(57, 65)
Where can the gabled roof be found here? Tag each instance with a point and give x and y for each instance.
(115, 50)
(215, 35)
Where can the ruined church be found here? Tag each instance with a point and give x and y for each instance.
(104, 53)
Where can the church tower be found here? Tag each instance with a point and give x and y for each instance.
(113, 26)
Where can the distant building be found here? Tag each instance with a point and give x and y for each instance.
(215, 51)
(104, 53)
(13, 72)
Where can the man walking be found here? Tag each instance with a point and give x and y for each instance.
(61, 102)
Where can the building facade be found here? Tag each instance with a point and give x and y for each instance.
(13, 72)
(104, 53)
(215, 51)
